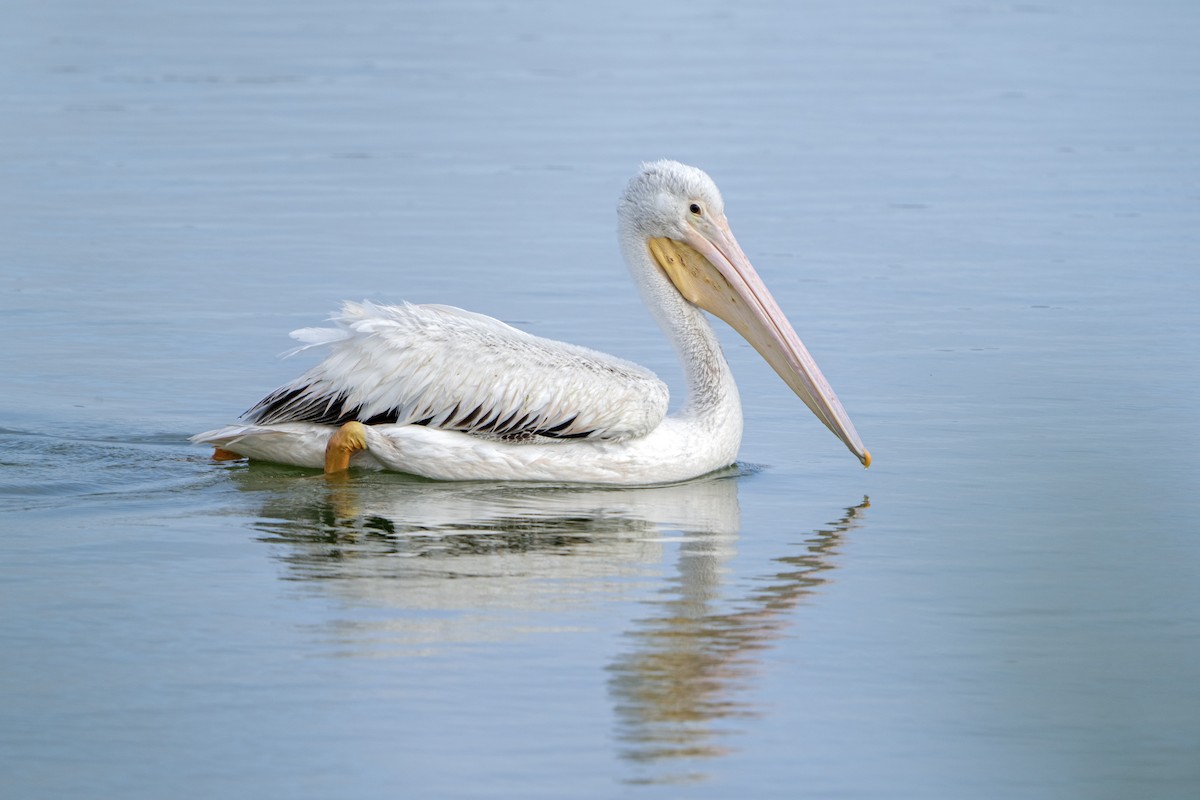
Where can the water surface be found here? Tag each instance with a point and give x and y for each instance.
(982, 219)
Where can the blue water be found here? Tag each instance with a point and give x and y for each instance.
(982, 218)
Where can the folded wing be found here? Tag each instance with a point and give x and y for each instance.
(447, 368)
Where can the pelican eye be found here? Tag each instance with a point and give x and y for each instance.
(695, 209)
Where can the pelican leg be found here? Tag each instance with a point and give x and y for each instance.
(345, 442)
(221, 454)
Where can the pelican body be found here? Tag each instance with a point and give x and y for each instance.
(448, 394)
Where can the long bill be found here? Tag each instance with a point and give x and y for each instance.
(712, 272)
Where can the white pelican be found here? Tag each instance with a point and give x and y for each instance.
(436, 391)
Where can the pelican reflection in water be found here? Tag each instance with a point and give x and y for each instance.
(448, 394)
(443, 565)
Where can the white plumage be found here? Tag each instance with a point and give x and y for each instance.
(449, 394)
(456, 370)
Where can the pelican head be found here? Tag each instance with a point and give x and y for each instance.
(676, 213)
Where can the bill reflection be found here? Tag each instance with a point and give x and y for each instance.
(697, 652)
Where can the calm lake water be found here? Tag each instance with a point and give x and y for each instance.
(983, 218)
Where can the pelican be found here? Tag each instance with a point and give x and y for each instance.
(448, 394)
